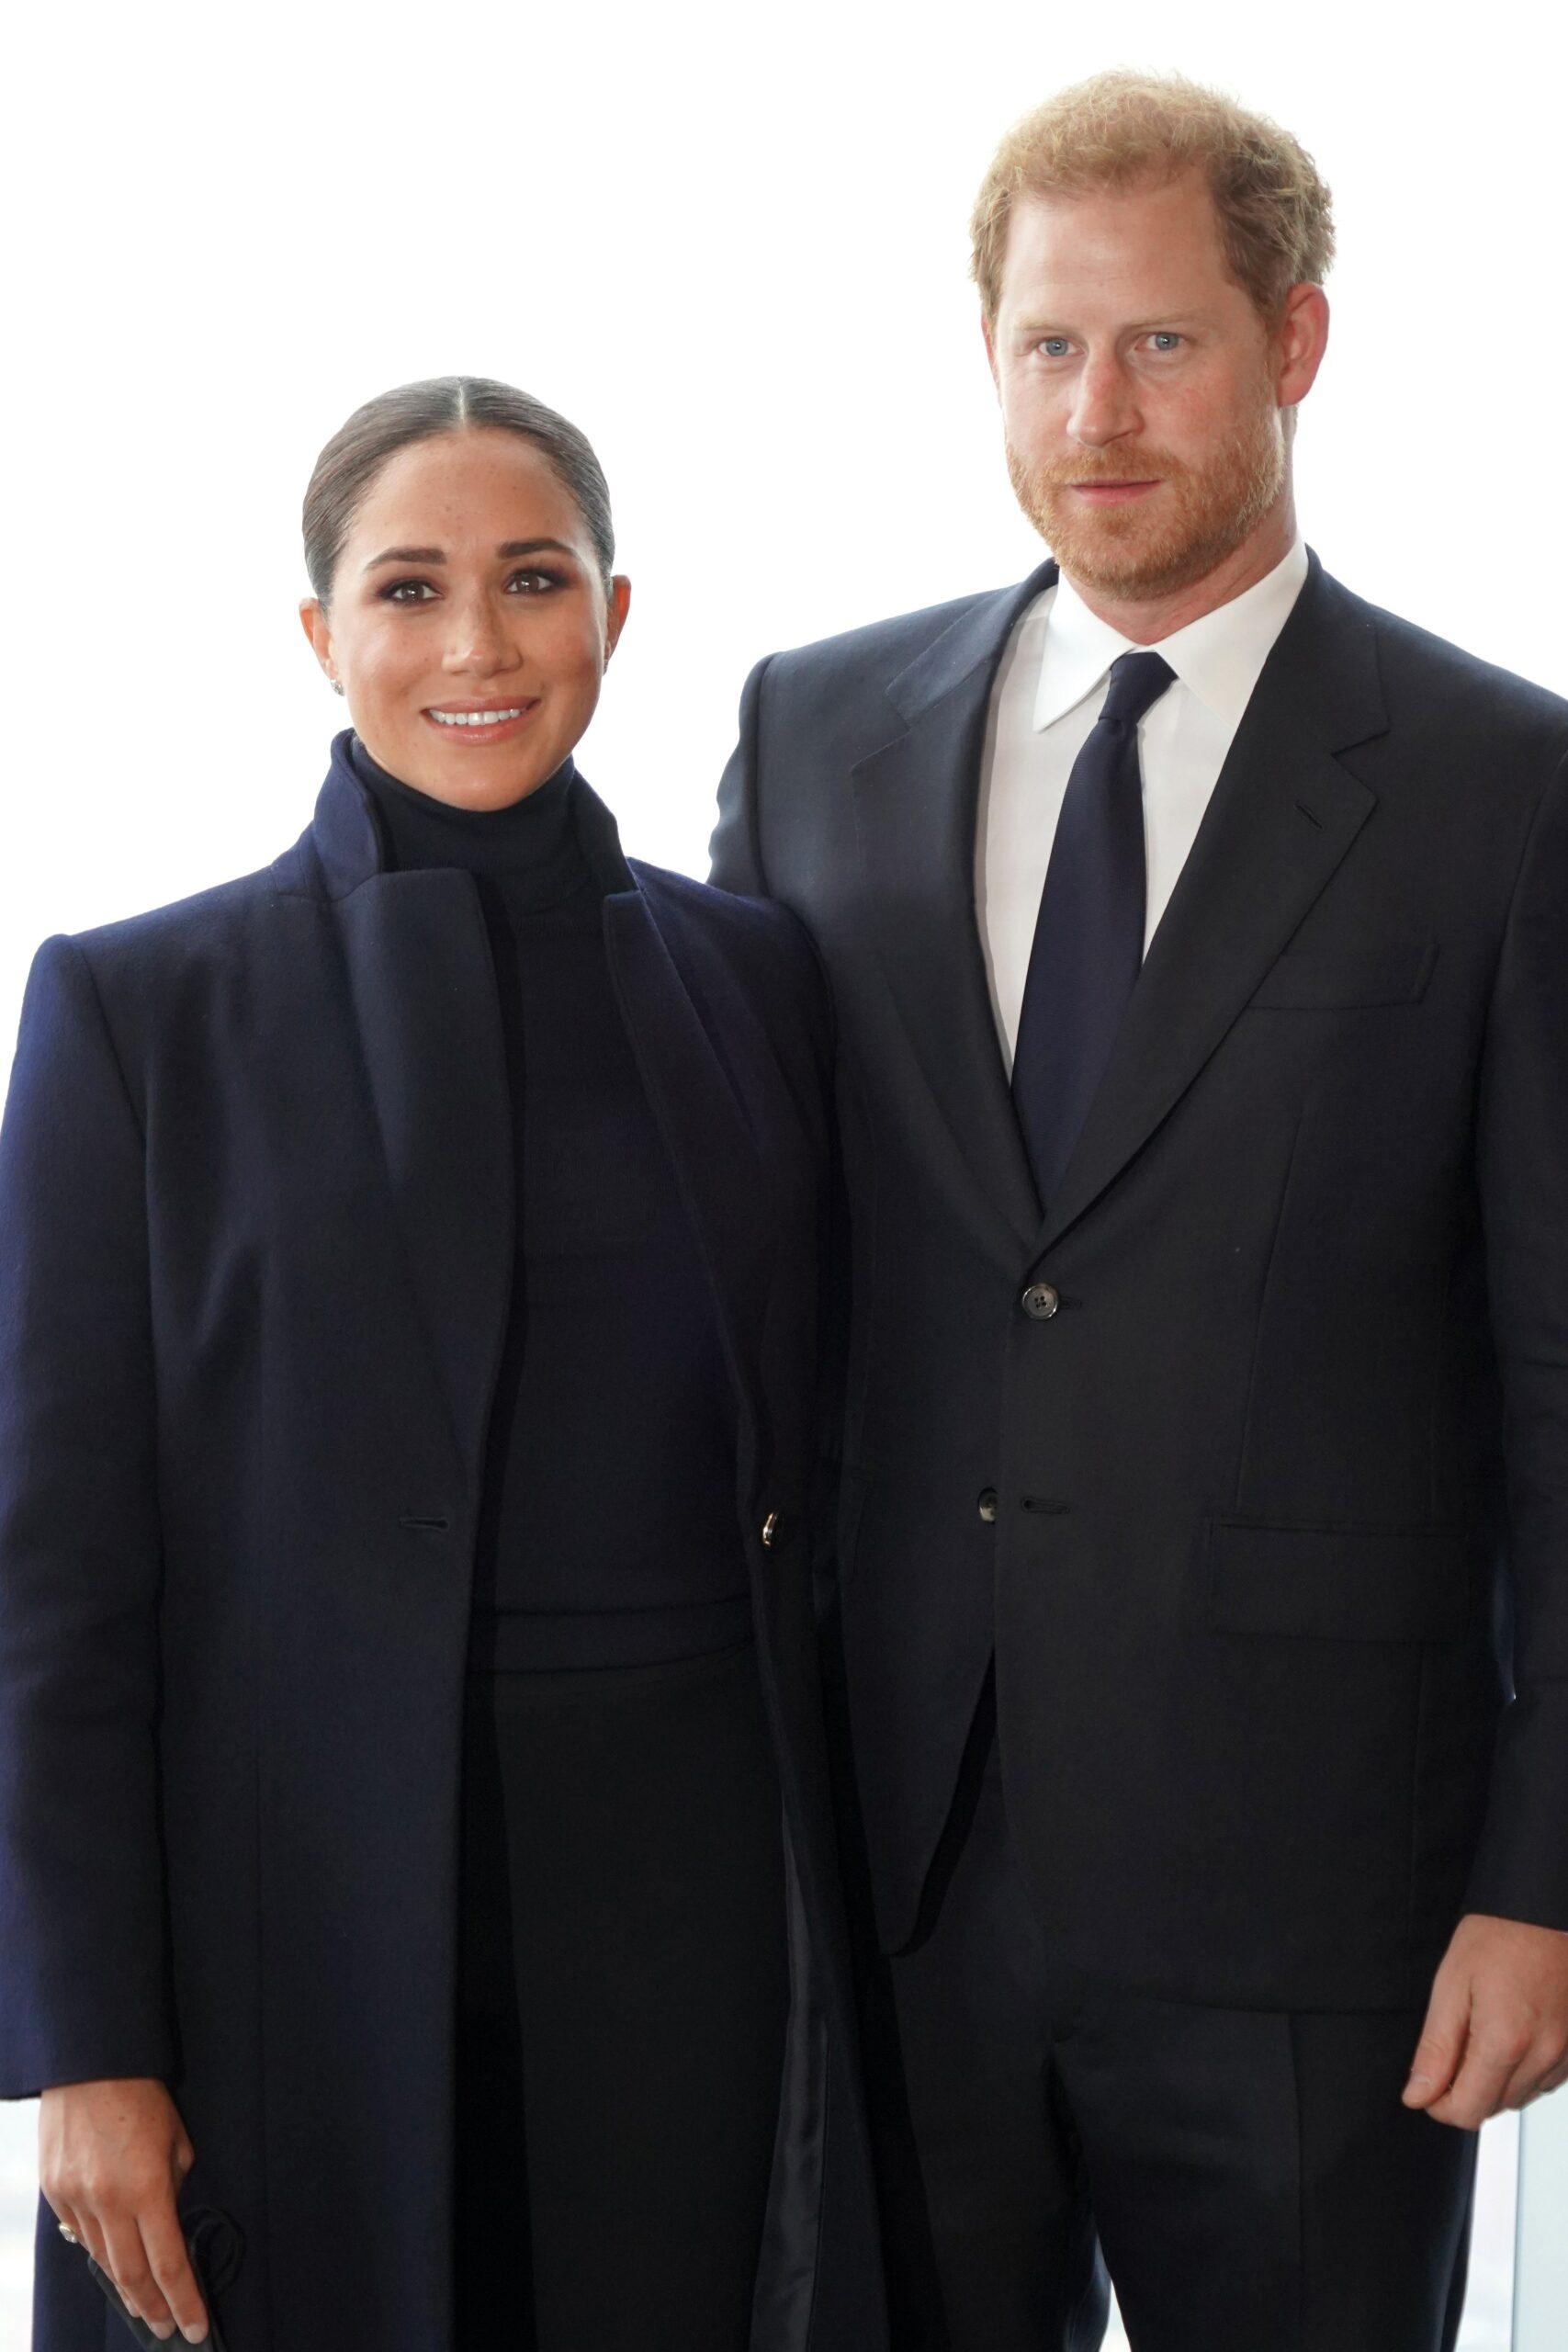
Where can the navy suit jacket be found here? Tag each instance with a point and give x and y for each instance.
(1243, 1521)
(255, 1217)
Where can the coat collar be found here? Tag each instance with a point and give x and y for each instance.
(1283, 813)
(343, 847)
(421, 981)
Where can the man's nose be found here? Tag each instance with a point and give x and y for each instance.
(1105, 402)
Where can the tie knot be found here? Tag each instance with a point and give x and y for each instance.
(1137, 680)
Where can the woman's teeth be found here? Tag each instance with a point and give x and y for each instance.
(473, 717)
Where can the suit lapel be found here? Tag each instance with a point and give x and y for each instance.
(1282, 816)
(915, 806)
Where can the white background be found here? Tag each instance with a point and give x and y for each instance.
(732, 246)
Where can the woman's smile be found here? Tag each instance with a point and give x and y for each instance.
(482, 722)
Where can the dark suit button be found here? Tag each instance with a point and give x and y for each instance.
(987, 1504)
(1041, 1301)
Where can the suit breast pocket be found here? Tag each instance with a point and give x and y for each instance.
(1312, 979)
(1342, 1584)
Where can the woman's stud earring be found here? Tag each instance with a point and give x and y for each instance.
(337, 685)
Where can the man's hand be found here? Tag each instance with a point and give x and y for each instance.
(1496, 2029)
(112, 2156)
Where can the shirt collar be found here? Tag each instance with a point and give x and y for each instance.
(1219, 656)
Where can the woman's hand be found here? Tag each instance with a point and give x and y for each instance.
(112, 2156)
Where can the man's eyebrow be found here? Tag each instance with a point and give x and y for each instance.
(1190, 315)
(508, 549)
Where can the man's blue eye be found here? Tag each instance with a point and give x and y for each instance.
(1054, 345)
(1165, 340)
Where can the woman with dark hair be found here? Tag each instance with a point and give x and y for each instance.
(418, 1898)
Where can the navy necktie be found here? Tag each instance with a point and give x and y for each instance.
(1089, 935)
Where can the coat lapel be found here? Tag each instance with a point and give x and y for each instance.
(1283, 814)
(915, 806)
(424, 986)
(421, 982)
(719, 1167)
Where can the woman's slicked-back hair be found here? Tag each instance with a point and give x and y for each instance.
(360, 447)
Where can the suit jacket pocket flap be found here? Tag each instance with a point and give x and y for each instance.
(1308, 979)
(1356, 1584)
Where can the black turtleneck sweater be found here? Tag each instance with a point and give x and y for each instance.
(608, 1533)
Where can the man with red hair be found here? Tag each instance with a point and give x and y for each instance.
(1197, 937)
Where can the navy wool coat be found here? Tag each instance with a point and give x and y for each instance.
(255, 1217)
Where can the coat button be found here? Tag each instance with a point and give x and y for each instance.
(987, 1504)
(1041, 1301)
(770, 1527)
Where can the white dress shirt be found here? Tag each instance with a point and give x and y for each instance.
(1049, 692)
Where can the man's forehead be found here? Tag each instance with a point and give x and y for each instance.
(1105, 246)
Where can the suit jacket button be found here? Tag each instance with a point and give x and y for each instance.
(987, 1504)
(1041, 1301)
(770, 1527)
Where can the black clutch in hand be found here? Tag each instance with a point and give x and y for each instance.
(215, 2246)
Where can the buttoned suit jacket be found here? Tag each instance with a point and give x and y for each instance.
(1267, 1525)
(256, 1227)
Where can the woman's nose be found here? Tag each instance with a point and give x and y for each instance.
(480, 640)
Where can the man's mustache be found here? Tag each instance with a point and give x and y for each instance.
(1069, 474)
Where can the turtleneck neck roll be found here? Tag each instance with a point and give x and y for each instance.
(529, 849)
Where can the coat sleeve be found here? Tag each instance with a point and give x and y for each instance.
(1521, 1869)
(735, 850)
(83, 1982)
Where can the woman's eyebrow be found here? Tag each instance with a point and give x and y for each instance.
(438, 555)
(406, 554)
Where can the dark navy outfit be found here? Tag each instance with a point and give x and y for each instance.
(412, 1740)
(624, 1979)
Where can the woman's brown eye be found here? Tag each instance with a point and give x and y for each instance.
(394, 594)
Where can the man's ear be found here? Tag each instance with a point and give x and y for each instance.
(1301, 341)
